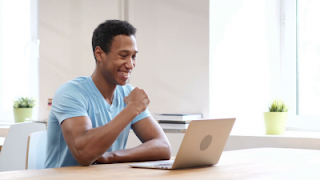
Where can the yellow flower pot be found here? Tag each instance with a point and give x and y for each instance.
(21, 114)
(275, 122)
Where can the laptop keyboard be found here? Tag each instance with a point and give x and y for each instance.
(164, 165)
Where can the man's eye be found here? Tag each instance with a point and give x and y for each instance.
(124, 56)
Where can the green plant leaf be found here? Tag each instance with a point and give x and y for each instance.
(278, 106)
(24, 102)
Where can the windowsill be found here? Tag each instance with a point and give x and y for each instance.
(4, 128)
(261, 133)
(288, 133)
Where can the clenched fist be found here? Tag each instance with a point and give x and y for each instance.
(138, 99)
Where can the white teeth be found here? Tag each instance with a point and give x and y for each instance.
(123, 73)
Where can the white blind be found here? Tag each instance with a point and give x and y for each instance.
(18, 54)
(244, 60)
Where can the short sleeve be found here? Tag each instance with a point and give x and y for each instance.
(69, 102)
(142, 115)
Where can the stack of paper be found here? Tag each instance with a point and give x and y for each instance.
(176, 121)
(177, 117)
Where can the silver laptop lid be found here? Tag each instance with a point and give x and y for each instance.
(203, 143)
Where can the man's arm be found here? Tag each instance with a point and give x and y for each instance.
(155, 145)
(87, 144)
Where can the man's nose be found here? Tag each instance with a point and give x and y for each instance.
(130, 64)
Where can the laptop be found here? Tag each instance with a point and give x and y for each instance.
(202, 145)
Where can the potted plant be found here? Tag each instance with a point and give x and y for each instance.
(276, 119)
(22, 109)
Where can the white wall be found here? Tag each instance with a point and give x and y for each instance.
(65, 31)
(173, 60)
(173, 43)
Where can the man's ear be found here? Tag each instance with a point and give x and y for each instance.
(98, 53)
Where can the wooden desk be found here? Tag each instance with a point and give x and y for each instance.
(262, 163)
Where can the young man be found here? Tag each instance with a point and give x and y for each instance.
(91, 117)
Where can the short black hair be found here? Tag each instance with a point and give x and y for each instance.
(104, 33)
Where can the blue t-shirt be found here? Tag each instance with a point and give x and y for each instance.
(81, 97)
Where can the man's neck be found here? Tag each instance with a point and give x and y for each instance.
(105, 88)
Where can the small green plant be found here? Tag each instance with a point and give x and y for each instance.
(24, 102)
(278, 106)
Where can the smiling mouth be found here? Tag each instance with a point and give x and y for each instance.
(124, 73)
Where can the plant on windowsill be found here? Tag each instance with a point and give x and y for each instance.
(22, 109)
(276, 119)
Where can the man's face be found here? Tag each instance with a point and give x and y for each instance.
(116, 66)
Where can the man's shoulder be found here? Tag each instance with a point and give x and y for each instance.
(73, 86)
(75, 83)
(79, 81)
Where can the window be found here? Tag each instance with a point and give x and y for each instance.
(301, 52)
(257, 55)
(18, 54)
(244, 60)
(308, 57)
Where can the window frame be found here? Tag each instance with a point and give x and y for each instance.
(289, 69)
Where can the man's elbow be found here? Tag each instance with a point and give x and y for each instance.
(84, 160)
(166, 151)
(83, 156)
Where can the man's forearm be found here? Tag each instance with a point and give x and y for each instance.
(155, 149)
(93, 143)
